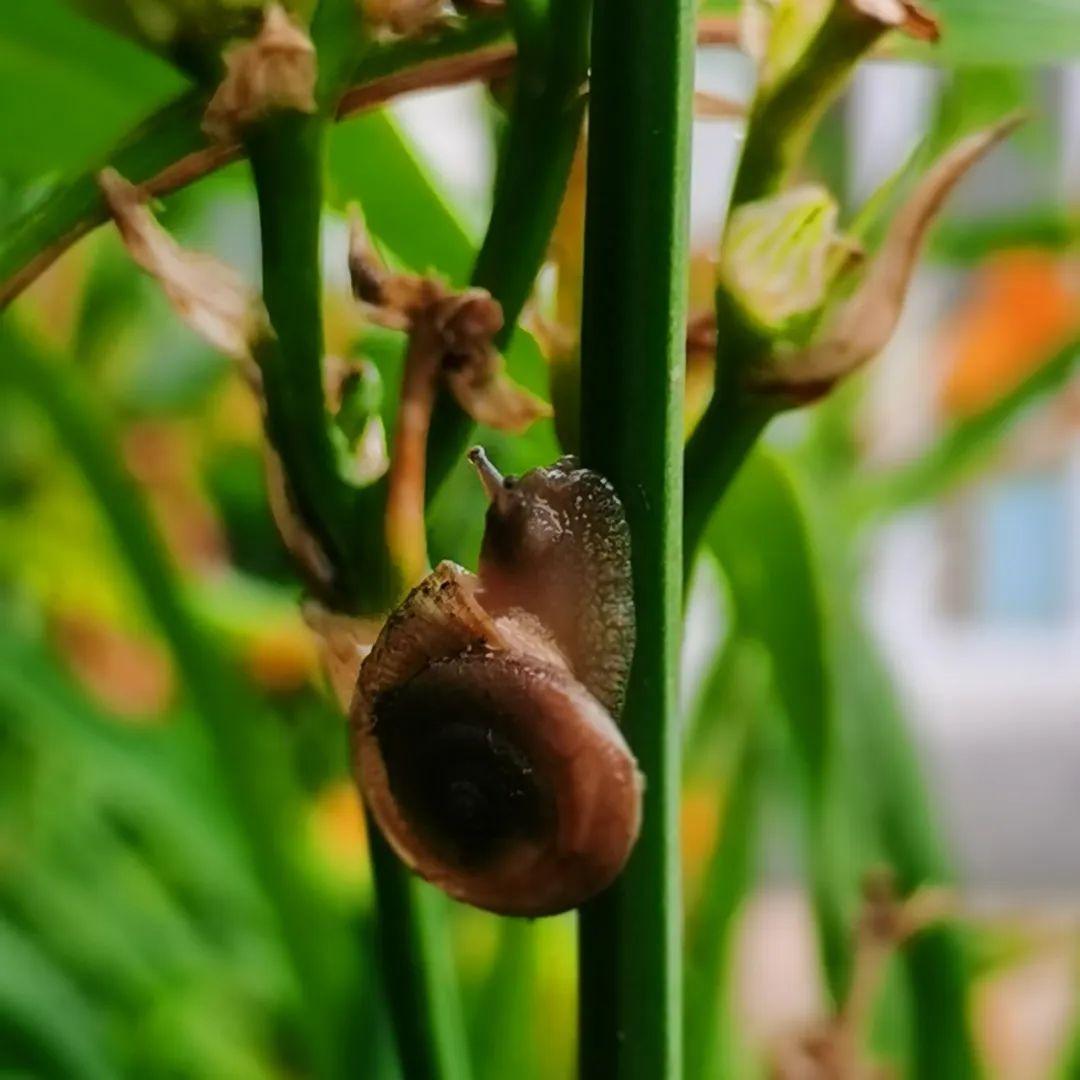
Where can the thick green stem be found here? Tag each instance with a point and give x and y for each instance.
(418, 976)
(542, 134)
(286, 160)
(236, 729)
(783, 117)
(633, 355)
(726, 434)
(285, 153)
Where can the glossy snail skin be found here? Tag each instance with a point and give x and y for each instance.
(480, 734)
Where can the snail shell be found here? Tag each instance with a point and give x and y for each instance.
(482, 733)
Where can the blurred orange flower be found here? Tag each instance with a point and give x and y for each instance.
(1021, 307)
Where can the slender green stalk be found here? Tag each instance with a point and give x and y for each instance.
(286, 160)
(233, 722)
(285, 153)
(784, 116)
(719, 446)
(782, 119)
(418, 976)
(542, 134)
(726, 881)
(633, 354)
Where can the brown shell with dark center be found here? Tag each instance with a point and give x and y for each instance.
(489, 767)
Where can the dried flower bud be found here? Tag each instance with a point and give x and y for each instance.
(274, 70)
(458, 327)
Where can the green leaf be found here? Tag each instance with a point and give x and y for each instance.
(726, 880)
(937, 967)
(981, 32)
(70, 88)
(46, 1027)
(761, 536)
(372, 162)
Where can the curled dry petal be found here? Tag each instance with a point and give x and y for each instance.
(473, 368)
(491, 398)
(405, 18)
(389, 299)
(905, 15)
(864, 324)
(274, 70)
(211, 297)
(459, 326)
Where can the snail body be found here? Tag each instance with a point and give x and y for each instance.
(482, 722)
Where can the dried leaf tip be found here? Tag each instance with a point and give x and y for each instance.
(904, 15)
(391, 19)
(273, 71)
(211, 297)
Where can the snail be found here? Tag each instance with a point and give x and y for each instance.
(483, 720)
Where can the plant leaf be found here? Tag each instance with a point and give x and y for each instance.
(762, 539)
(70, 88)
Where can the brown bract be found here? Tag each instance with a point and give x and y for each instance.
(835, 1049)
(274, 70)
(211, 297)
(453, 331)
(389, 19)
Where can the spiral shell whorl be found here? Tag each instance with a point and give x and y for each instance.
(490, 769)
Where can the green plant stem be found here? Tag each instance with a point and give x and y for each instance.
(633, 355)
(231, 717)
(286, 161)
(714, 453)
(285, 153)
(538, 149)
(418, 976)
(782, 119)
